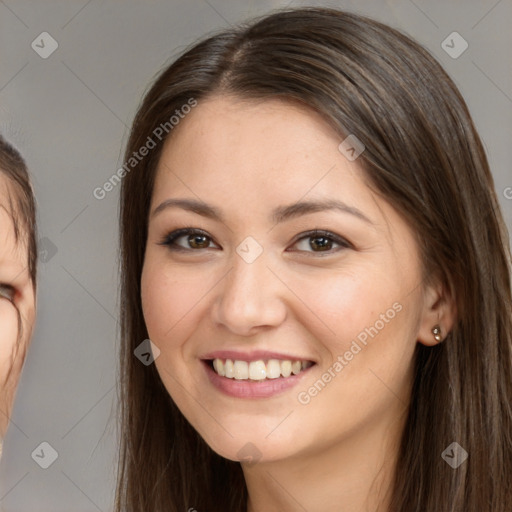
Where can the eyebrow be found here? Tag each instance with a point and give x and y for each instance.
(279, 214)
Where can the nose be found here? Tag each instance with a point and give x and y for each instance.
(250, 298)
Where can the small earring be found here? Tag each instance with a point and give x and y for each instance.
(436, 331)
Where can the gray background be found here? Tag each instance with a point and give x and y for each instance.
(69, 116)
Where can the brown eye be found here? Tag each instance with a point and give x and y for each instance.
(187, 239)
(198, 241)
(7, 292)
(321, 242)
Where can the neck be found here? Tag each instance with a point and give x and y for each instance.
(353, 475)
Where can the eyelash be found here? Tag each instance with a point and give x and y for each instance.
(170, 239)
(11, 291)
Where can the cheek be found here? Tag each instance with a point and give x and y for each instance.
(8, 337)
(169, 301)
(172, 309)
(372, 316)
(342, 304)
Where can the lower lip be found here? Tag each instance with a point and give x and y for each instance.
(250, 388)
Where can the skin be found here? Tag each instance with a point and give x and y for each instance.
(16, 292)
(246, 158)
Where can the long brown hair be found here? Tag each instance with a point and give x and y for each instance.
(424, 156)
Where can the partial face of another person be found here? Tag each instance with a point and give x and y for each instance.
(256, 309)
(17, 303)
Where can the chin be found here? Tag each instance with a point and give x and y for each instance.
(251, 448)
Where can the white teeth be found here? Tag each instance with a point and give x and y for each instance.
(258, 370)
(241, 369)
(219, 367)
(296, 367)
(228, 369)
(273, 369)
(286, 368)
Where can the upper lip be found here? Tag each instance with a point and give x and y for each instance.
(254, 355)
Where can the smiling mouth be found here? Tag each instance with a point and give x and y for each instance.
(258, 370)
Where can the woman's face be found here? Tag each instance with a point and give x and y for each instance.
(257, 288)
(16, 293)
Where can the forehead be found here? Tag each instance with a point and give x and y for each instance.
(270, 129)
(268, 148)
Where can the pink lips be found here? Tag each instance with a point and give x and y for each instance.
(250, 388)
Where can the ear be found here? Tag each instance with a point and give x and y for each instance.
(439, 309)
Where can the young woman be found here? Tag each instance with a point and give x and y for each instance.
(311, 241)
(18, 257)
